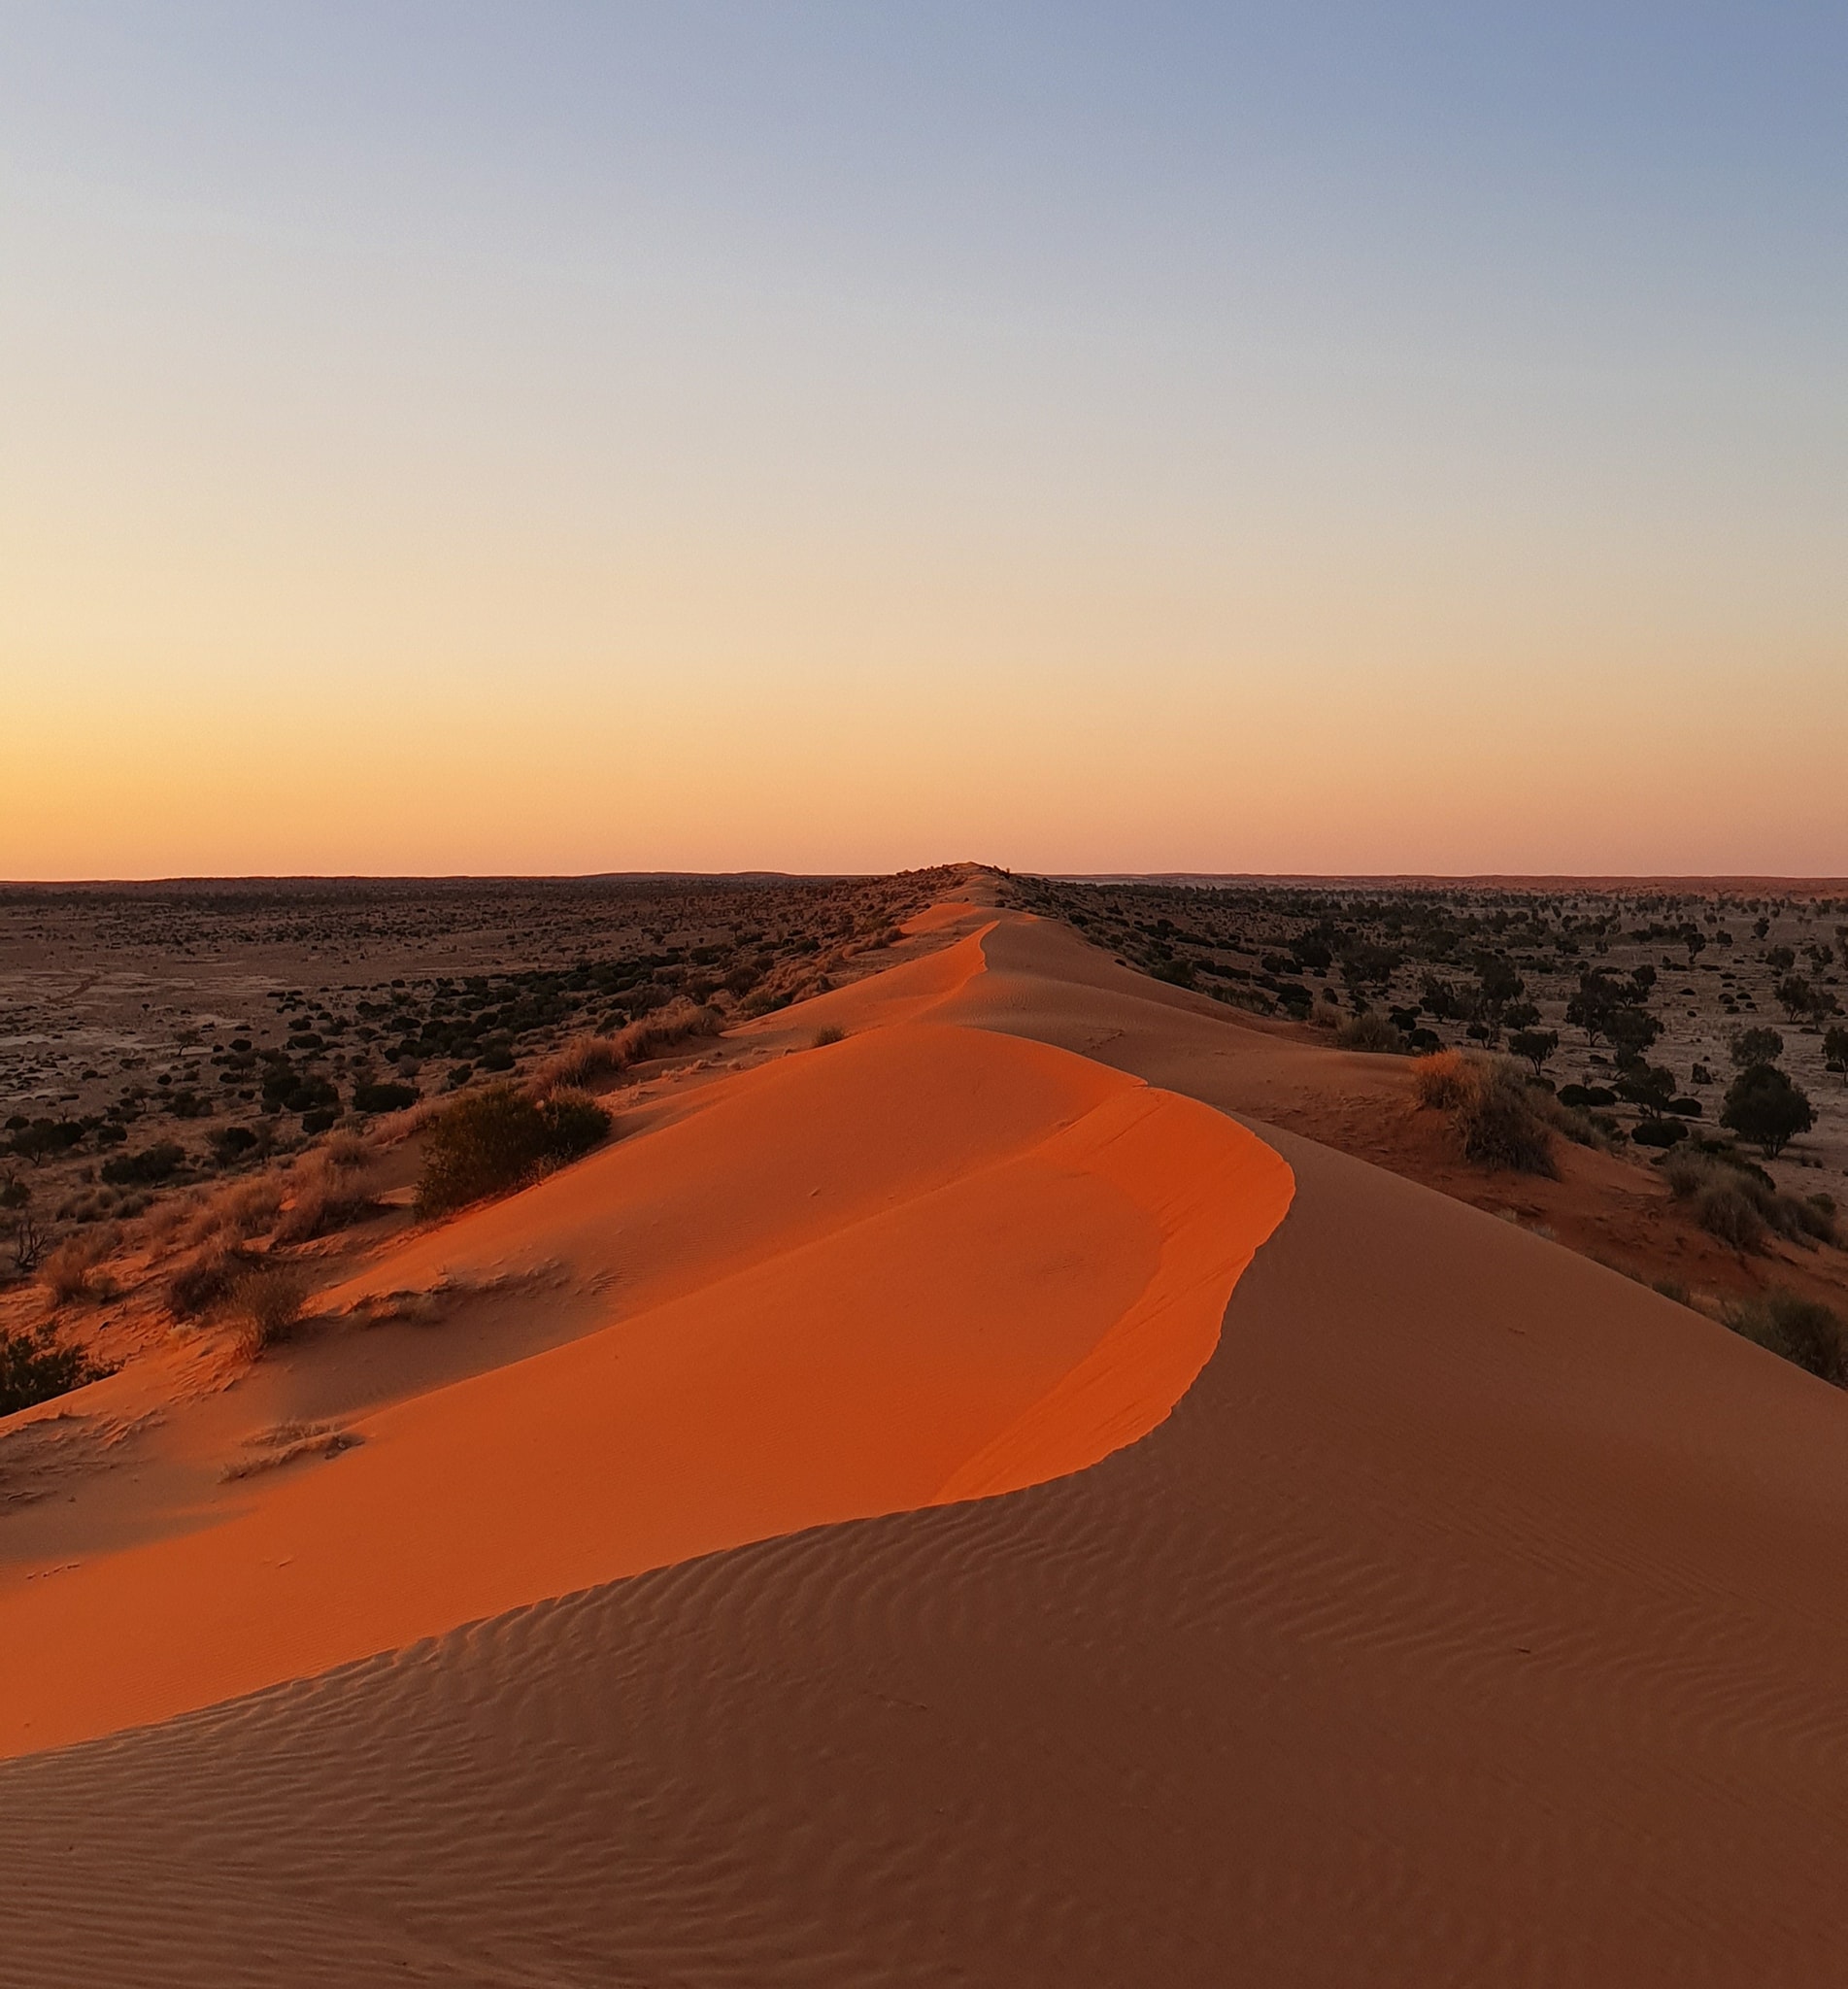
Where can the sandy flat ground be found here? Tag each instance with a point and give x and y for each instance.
(1473, 1617)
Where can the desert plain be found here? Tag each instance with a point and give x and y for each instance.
(1003, 1429)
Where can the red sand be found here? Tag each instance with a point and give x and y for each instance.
(925, 1262)
(1475, 1617)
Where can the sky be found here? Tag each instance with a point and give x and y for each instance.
(439, 436)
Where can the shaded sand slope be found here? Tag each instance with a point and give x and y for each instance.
(1474, 1618)
(919, 1264)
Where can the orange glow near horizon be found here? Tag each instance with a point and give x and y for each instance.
(633, 446)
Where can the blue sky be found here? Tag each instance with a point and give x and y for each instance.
(1170, 436)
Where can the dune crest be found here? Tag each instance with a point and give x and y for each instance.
(927, 1264)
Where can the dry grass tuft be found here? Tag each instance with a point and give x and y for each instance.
(588, 1058)
(206, 1278)
(326, 1197)
(285, 1444)
(264, 1306)
(1372, 1032)
(242, 1209)
(69, 1269)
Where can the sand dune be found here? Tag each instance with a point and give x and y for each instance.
(1473, 1618)
(920, 1264)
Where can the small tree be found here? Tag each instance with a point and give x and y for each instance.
(1536, 1045)
(1631, 1032)
(1794, 995)
(1835, 1050)
(1759, 1045)
(1648, 1087)
(1592, 1007)
(1763, 1105)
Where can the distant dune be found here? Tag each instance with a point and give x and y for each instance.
(1457, 1612)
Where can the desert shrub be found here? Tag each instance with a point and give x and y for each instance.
(1686, 1175)
(496, 1139)
(205, 1279)
(230, 1143)
(1492, 1109)
(1800, 1330)
(1371, 1031)
(147, 1168)
(1739, 1204)
(385, 1096)
(36, 1366)
(1580, 1127)
(574, 1124)
(830, 1032)
(265, 1304)
(1659, 1132)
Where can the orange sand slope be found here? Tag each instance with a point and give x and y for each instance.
(1475, 1618)
(923, 1264)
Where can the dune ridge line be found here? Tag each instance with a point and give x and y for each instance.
(929, 1262)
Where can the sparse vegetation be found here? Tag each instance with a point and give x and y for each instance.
(830, 1032)
(1741, 1205)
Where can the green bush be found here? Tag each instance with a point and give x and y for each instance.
(495, 1140)
(574, 1124)
(36, 1367)
(384, 1097)
(230, 1143)
(144, 1169)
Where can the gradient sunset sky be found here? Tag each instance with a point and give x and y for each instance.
(452, 437)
